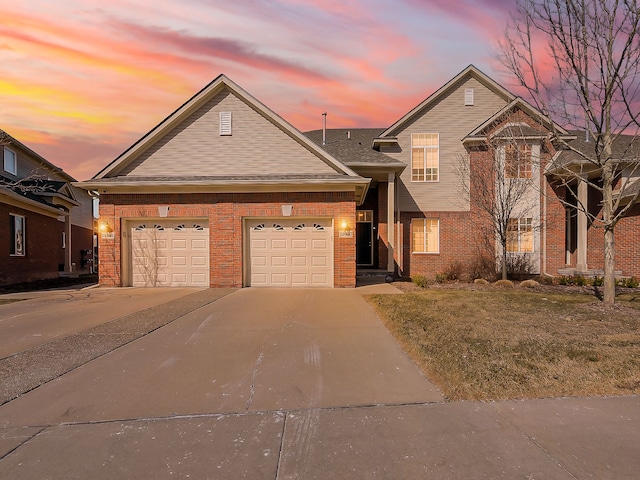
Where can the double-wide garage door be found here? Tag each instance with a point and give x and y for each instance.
(290, 252)
(170, 253)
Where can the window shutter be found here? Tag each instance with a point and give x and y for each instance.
(468, 96)
(225, 123)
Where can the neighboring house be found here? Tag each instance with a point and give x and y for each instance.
(224, 192)
(48, 223)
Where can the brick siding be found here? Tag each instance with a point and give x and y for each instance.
(224, 213)
(43, 247)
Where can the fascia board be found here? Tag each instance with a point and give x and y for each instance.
(12, 198)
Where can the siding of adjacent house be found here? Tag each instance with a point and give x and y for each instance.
(256, 146)
(452, 120)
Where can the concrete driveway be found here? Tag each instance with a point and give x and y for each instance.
(288, 384)
(47, 315)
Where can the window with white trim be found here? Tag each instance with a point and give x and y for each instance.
(425, 157)
(17, 232)
(425, 235)
(520, 235)
(517, 160)
(10, 161)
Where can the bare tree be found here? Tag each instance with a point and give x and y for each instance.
(579, 60)
(500, 178)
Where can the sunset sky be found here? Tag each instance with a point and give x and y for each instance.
(81, 80)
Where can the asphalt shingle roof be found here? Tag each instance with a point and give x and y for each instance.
(354, 151)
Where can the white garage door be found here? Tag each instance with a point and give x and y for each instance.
(290, 253)
(170, 253)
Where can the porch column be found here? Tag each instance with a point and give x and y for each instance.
(391, 225)
(581, 261)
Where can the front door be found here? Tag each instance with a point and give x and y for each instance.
(364, 238)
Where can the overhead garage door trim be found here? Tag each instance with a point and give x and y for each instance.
(168, 252)
(288, 252)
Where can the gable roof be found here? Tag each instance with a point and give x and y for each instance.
(200, 98)
(523, 131)
(114, 178)
(470, 71)
(575, 154)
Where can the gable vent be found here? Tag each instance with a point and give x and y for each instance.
(468, 96)
(225, 123)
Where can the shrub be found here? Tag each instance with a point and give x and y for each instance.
(480, 281)
(482, 267)
(597, 281)
(564, 280)
(631, 282)
(419, 280)
(544, 280)
(519, 266)
(504, 283)
(453, 271)
(529, 284)
(441, 277)
(580, 280)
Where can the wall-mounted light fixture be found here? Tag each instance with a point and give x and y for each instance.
(105, 227)
(344, 231)
(163, 210)
(286, 210)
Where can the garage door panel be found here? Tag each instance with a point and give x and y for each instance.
(260, 261)
(179, 257)
(279, 244)
(178, 261)
(290, 252)
(199, 261)
(319, 244)
(179, 244)
(319, 261)
(279, 279)
(299, 244)
(299, 279)
(200, 244)
(298, 261)
(279, 261)
(258, 243)
(318, 279)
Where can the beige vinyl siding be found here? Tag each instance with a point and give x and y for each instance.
(255, 147)
(452, 120)
(82, 215)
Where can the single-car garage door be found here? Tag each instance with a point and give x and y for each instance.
(170, 253)
(290, 252)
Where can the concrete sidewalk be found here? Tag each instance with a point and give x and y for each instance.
(296, 384)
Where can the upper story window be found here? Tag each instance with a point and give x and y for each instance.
(425, 235)
(520, 235)
(425, 157)
(517, 160)
(16, 230)
(10, 161)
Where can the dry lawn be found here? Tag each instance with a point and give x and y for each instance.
(492, 343)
